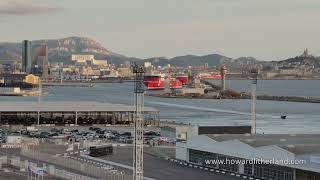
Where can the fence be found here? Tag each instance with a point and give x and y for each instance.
(26, 166)
(84, 168)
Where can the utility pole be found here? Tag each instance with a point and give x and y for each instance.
(254, 74)
(139, 122)
(39, 99)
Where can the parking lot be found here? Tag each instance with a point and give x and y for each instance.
(122, 134)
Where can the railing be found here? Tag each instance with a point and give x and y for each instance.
(85, 169)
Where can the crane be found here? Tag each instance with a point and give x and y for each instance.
(139, 122)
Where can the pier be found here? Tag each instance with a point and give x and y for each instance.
(71, 113)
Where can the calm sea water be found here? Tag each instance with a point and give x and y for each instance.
(302, 117)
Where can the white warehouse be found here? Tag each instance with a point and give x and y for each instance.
(285, 157)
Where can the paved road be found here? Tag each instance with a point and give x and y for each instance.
(161, 169)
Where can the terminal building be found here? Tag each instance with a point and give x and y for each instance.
(71, 113)
(260, 156)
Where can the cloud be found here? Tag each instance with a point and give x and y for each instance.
(21, 7)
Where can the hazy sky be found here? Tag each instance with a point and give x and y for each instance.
(265, 29)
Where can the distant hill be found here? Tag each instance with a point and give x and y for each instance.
(60, 50)
(301, 60)
(192, 60)
(10, 51)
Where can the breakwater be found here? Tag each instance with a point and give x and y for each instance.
(242, 96)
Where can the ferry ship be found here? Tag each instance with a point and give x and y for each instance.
(184, 79)
(156, 82)
(175, 83)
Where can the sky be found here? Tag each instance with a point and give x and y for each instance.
(264, 29)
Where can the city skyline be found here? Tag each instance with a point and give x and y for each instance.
(148, 28)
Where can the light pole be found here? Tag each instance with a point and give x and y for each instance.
(254, 78)
(138, 122)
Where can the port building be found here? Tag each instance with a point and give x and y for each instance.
(22, 80)
(262, 156)
(71, 113)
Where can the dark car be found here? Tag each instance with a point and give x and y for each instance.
(94, 128)
(74, 130)
(54, 129)
(126, 134)
(53, 134)
(25, 132)
(44, 135)
(100, 131)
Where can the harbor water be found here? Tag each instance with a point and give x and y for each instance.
(301, 117)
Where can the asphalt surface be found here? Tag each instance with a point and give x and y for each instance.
(162, 169)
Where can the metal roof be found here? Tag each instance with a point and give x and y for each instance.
(66, 106)
(263, 146)
(295, 143)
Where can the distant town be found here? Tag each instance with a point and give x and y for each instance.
(61, 64)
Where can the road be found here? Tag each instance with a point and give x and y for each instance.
(162, 169)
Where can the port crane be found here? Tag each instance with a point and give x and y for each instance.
(139, 72)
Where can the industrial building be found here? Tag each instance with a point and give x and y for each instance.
(260, 156)
(66, 112)
(22, 80)
(82, 58)
(87, 59)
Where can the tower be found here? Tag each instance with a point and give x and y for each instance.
(138, 123)
(223, 77)
(40, 62)
(26, 56)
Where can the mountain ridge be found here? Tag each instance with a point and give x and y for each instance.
(61, 49)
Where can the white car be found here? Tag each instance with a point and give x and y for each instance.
(163, 138)
(107, 168)
(108, 135)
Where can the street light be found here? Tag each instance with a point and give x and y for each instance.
(254, 77)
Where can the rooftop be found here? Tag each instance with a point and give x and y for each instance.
(295, 143)
(67, 106)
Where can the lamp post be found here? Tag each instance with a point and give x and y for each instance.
(254, 82)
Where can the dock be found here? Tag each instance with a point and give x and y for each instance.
(68, 84)
(72, 113)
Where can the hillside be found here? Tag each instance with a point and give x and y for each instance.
(60, 50)
(301, 60)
